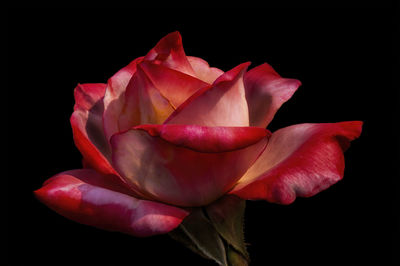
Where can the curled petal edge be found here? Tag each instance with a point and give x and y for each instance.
(299, 161)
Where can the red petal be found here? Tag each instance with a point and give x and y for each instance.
(169, 52)
(144, 104)
(81, 196)
(114, 97)
(93, 148)
(207, 139)
(203, 71)
(266, 91)
(186, 165)
(87, 127)
(300, 160)
(222, 104)
(87, 95)
(173, 85)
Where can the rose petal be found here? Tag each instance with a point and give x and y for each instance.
(144, 104)
(173, 85)
(169, 52)
(81, 196)
(186, 165)
(300, 160)
(93, 149)
(87, 127)
(87, 95)
(203, 71)
(266, 91)
(114, 97)
(207, 139)
(222, 104)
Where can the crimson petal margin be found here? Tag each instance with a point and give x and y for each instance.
(266, 91)
(186, 165)
(86, 123)
(87, 95)
(299, 161)
(81, 196)
(221, 104)
(169, 52)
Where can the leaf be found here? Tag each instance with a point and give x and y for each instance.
(179, 235)
(235, 258)
(198, 234)
(227, 216)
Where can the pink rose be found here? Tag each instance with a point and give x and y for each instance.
(169, 132)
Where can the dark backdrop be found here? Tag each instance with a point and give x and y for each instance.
(344, 58)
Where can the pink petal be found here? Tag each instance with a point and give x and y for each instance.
(203, 71)
(87, 128)
(144, 104)
(169, 52)
(173, 85)
(186, 165)
(222, 104)
(266, 91)
(300, 160)
(114, 97)
(81, 196)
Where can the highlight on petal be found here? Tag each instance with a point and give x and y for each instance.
(87, 126)
(266, 91)
(186, 165)
(114, 97)
(169, 52)
(221, 104)
(203, 71)
(81, 195)
(299, 161)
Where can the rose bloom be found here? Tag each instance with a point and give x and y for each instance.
(168, 132)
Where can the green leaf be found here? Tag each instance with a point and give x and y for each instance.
(216, 232)
(235, 258)
(198, 234)
(227, 216)
(179, 235)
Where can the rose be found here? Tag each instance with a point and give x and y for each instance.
(168, 133)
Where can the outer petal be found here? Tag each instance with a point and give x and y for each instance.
(186, 165)
(173, 85)
(169, 52)
(222, 104)
(300, 160)
(203, 70)
(86, 122)
(114, 97)
(88, 95)
(266, 91)
(80, 195)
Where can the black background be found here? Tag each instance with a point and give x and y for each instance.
(345, 59)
